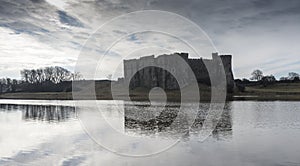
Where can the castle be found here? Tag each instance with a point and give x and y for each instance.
(144, 72)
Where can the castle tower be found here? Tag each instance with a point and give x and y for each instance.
(227, 63)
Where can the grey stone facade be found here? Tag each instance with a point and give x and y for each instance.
(152, 72)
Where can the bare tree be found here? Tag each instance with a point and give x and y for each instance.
(40, 75)
(25, 75)
(8, 81)
(61, 74)
(14, 82)
(293, 75)
(54, 74)
(257, 75)
(49, 73)
(76, 76)
(3, 81)
(32, 76)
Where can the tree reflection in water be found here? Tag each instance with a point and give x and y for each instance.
(48, 113)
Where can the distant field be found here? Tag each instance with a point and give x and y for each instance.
(278, 91)
(38, 96)
(276, 88)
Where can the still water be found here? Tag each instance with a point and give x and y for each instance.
(52, 133)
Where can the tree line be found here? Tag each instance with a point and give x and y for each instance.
(258, 78)
(257, 75)
(54, 74)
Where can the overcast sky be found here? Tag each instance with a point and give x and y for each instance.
(260, 34)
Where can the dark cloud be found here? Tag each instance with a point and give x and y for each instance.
(25, 27)
(133, 37)
(42, 21)
(37, 1)
(12, 10)
(113, 5)
(262, 3)
(69, 20)
(23, 16)
(222, 15)
(119, 32)
(216, 16)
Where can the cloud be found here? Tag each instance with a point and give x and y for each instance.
(19, 51)
(69, 20)
(254, 31)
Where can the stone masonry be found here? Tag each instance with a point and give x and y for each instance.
(143, 73)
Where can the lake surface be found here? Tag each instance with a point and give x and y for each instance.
(55, 133)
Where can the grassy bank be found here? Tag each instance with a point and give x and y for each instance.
(38, 95)
(278, 91)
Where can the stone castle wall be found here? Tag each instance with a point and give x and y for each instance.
(143, 72)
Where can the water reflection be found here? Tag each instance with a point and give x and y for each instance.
(265, 133)
(48, 113)
(146, 120)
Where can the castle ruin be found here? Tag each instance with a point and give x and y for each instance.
(143, 72)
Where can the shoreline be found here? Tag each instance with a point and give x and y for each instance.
(275, 92)
(142, 97)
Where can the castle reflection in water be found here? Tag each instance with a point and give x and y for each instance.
(171, 121)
